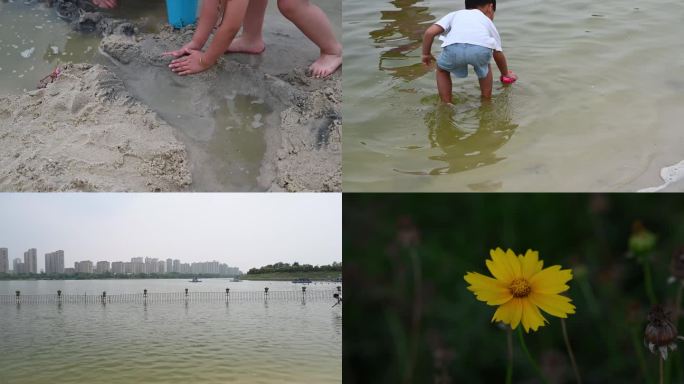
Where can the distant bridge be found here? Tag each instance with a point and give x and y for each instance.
(174, 297)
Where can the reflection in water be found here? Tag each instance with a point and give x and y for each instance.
(337, 322)
(403, 32)
(469, 137)
(238, 141)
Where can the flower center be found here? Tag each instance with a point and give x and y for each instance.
(520, 288)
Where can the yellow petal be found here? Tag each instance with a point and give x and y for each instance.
(531, 317)
(530, 263)
(504, 265)
(486, 289)
(509, 313)
(555, 305)
(551, 280)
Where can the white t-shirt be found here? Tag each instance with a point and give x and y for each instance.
(469, 26)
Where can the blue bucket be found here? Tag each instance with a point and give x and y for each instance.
(181, 12)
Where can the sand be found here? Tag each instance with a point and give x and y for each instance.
(304, 153)
(84, 132)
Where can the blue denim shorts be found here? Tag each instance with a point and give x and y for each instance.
(456, 57)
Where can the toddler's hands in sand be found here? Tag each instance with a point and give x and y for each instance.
(184, 50)
(192, 63)
(428, 60)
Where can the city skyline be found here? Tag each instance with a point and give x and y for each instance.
(239, 230)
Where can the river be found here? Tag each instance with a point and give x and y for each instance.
(255, 341)
(597, 106)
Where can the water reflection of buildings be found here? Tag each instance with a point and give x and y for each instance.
(402, 33)
(469, 138)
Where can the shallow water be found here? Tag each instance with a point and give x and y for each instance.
(256, 342)
(597, 106)
(33, 42)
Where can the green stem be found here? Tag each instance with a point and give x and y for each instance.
(649, 282)
(678, 304)
(509, 370)
(638, 348)
(572, 355)
(529, 356)
(660, 359)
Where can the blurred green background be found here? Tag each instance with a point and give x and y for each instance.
(410, 319)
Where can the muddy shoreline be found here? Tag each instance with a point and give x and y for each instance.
(69, 136)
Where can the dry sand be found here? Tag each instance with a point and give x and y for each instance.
(85, 132)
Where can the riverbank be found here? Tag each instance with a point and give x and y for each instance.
(289, 276)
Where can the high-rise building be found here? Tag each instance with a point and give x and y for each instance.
(84, 266)
(138, 265)
(102, 267)
(177, 266)
(18, 266)
(4, 260)
(151, 265)
(185, 268)
(128, 267)
(162, 267)
(54, 262)
(31, 261)
(118, 267)
(169, 265)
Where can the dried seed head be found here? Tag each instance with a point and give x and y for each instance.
(660, 333)
(677, 264)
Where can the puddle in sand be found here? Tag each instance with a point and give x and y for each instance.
(224, 132)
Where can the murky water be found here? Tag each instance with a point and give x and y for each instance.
(597, 107)
(33, 42)
(255, 342)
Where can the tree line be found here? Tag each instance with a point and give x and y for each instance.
(296, 267)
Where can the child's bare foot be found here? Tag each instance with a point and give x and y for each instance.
(326, 65)
(243, 44)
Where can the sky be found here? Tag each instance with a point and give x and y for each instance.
(243, 230)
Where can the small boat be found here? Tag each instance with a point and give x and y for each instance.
(301, 281)
(236, 280)
(195, 280)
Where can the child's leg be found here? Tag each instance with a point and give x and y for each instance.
(311, 20)
(444, 85)
(205, 24)
(251, 40)
(486, 84)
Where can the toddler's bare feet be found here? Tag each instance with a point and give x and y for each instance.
(326, 65)
(244, 45)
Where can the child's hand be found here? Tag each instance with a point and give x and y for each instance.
(184, 50)
(509, 78)
(192, 63)
(428, 59)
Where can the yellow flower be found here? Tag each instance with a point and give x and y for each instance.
(520, 287)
